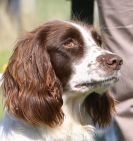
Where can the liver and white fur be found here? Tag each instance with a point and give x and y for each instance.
(55, 84)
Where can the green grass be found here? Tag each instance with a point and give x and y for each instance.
(1, 105)
(4, 57)
(1, 108)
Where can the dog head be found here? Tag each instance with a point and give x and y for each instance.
(55, 57)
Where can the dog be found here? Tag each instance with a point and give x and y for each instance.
(55, 84)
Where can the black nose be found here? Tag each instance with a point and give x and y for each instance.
(110, 60)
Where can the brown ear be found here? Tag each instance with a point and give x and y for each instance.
(32, 90)
(100, 108)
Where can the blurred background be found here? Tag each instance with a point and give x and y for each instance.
(20, 16)
(25, 15)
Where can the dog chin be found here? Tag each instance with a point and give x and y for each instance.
(98, 86)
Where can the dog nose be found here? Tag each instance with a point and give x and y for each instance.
(110, 60)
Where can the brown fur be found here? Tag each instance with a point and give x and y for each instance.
(32, 90)
(100, 108)
(33, 86)
(40, 68)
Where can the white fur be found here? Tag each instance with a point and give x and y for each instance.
(77, 125)
(88, 70)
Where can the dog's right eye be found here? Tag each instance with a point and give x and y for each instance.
(70, 43)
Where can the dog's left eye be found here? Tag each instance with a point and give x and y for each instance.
(70, 43)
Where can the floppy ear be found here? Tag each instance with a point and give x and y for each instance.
(32, 90)
(100, 108)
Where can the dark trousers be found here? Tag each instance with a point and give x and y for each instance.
(83, 10)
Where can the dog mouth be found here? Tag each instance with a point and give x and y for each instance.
(101, 83)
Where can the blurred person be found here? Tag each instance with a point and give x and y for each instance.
(116, 24)
(13, 10)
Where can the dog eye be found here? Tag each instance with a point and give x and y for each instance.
(70, 43)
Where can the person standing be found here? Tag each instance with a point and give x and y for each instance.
(116, 24)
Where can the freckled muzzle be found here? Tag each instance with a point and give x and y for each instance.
(110, 64)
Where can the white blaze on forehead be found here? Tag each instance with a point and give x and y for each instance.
(87, 37)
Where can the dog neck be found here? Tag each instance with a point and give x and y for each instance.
(73, 107)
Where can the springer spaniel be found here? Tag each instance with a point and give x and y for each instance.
(55, 84)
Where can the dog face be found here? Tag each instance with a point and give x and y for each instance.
(81, 63)
(57, 56)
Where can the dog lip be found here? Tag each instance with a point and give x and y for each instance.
(97, 83)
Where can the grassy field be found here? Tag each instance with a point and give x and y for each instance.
(33, 14)
(1, 107)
